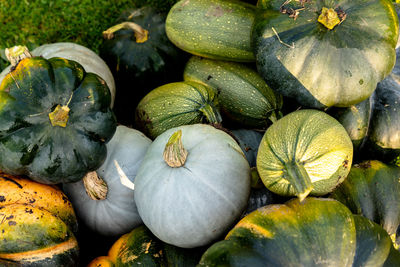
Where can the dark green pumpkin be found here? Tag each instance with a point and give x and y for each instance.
(244, 97)
(37, 138)
(372, 189)
(218, 29)
(301, 58)
(175, 104)
(139, 63)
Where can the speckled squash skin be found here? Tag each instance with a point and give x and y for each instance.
(212, 28)
(29, 143)
(319, 67)
(37, 224)
(244, 97)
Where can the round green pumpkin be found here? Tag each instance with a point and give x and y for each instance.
(175, 104)
(244, 97)
(307, 151)
(302, 58)
(141, 58)
(55, 120)
(372, 189)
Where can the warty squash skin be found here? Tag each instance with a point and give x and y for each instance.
(303, 59)
(54, 120)
(217, 29)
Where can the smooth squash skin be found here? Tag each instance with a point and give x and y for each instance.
(372, 189)
(244, 97)
(301, 58)
(218, 29)
(307, 151)
(55, 120)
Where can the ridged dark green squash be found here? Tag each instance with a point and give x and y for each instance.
(175, 104)
(372, 189)
(301, 58)
(54, 120)
(218, 29)
(305, 152)
(244, 97)
(141, 248)
(140, 61)
(317, 232)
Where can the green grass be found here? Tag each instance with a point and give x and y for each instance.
(36, 22)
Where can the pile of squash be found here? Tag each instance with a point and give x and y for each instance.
(223, 133)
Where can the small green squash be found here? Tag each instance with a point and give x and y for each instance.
(325, 53)
(55, 119)
(372, 189)
(307, 151)
(244, 97)
(175, 104)
(141, 58)
(218, 29)
(192, 185)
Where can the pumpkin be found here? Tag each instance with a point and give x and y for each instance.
(244, 98)
(325, 53)
(372, 189)
(89, 60)
(307, 151)
(175, 104)
(315, 232)
(55, 119)
(217, 29)
(104, 199)
(200, 186)
(141, 247)
(141, 58)
(38, 224)
(374, 123)
(249, 141)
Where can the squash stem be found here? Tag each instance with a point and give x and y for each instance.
(298, 177)
(174, 153)
(141, 35)
(96, 187)
(329, 18)
(212, 114)
(16, 54)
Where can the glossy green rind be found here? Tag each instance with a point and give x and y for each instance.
(176, 104)
(302, 59)
(316, 232)
(218, 29)
(372, 189)
(244, 97)
(310, 139)
(29, 144)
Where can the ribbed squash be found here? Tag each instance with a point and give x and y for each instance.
(55, 119)
(325, 53)
(37, 224)
(244, 97)
(372, 189)
(218, 29)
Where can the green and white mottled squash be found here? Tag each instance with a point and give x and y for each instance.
(307, 151)
(194, 182)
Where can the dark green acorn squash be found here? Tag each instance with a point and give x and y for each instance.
(372, 189)
(316, 232)
(55, 120)
(218, 29)
(374, 124)
(325, 53)
(141, 57)
(176, 104)
(244, 97)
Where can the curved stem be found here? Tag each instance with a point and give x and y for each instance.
(16, 54)
(174, 153)
(96, 188)
(298, 177)
(212, 114)
(141, 35)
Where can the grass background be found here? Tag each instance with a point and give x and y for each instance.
(36, 22)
